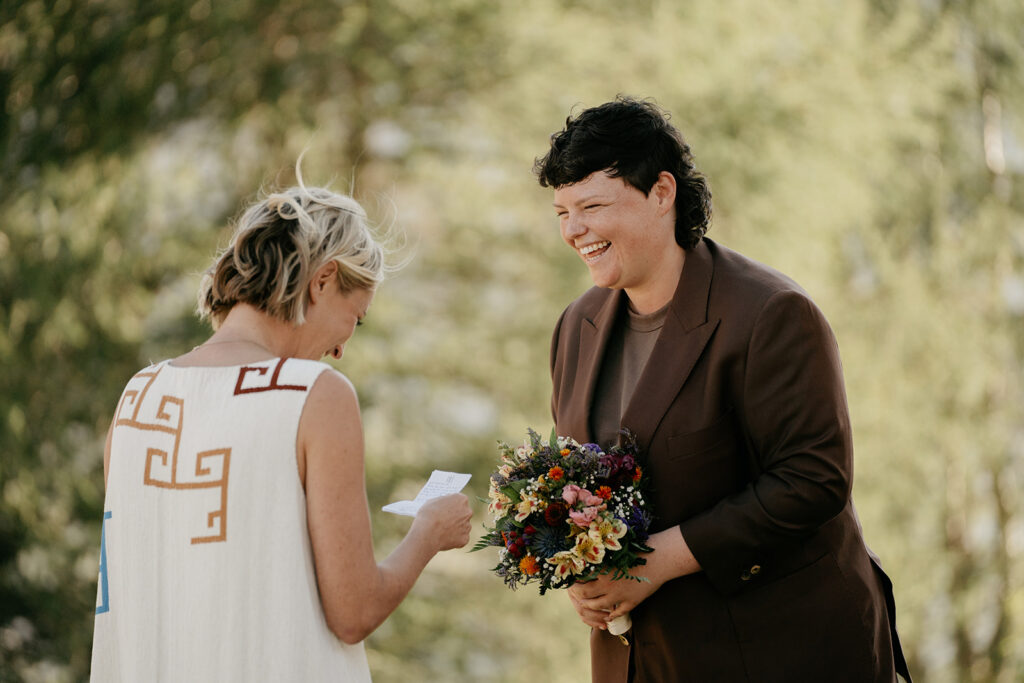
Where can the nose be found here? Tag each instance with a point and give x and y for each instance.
(573, 227)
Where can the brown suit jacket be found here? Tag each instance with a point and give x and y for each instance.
(742, 419)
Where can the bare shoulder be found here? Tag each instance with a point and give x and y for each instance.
(330, 423)
(332, 386)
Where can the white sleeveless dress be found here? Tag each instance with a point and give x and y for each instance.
(206, 568)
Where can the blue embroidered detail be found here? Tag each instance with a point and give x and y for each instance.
(104, 605)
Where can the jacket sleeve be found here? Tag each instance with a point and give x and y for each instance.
(793, 408)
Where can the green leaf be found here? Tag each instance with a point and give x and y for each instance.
(512, 490)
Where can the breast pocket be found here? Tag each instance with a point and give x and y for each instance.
(718, 437)
(697, 469)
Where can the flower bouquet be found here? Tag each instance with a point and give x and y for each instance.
(565, 512)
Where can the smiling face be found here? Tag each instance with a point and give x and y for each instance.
(626, 239)
(332, 315)
(350, 309)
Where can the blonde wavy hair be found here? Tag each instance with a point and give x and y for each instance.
(278, 245)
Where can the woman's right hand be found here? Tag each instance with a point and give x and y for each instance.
(445, 521)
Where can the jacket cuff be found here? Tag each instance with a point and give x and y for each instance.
(729, 573)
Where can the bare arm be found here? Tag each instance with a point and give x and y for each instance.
(356, 592)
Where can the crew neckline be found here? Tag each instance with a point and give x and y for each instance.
(169, 363)
(647, 322)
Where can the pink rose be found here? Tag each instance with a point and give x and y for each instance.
(583, 518)
(570, 493)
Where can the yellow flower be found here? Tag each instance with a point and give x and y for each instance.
(526, 506)
(607, 532)
(566, 563)
(500, 503)
(590, 549)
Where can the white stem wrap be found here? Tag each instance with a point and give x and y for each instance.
(620, 625)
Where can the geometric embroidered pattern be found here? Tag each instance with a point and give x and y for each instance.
(211, 466)
(272, 386)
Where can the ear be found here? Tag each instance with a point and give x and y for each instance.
(322, 280)
(664, 191)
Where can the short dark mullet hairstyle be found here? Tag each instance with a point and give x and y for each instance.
(633, 140)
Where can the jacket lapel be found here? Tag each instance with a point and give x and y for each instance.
(679, 346)
(595, 331)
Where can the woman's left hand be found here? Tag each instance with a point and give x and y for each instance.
(601, 600)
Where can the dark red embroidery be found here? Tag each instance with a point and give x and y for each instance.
(273, 386)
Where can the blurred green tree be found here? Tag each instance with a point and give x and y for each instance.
(130, 131)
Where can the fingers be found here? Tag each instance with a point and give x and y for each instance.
(619, 610)
(451, 503)
(602, 605)
(448, 519)
(461, 519)
(590, 617)
(590, 599)
(588, 590)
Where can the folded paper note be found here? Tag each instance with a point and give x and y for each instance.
(440, 484)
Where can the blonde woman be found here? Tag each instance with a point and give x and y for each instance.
(236, 538)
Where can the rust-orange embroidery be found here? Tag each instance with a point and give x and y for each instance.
(273, 386)
(169, 418)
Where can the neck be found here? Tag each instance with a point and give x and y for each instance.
(245, 323)
(658, 289)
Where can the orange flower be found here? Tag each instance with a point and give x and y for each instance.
(564, 452)
(556, 473)
(639, 473)
(605, 492)
(528, 565)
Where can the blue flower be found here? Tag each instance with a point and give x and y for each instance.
(549, 540)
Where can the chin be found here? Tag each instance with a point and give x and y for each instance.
(604, 279)
(605, 282)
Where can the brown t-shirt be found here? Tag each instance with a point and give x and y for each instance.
(628, 349)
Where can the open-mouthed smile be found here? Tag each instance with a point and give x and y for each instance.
(594, 250)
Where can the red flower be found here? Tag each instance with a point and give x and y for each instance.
(639, 473)
(555, 513)
(556, 473)
(605, 492)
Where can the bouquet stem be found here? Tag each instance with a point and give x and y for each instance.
(619, 626)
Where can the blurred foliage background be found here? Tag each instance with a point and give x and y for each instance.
(873, 150)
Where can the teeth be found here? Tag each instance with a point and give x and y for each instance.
(590, 248)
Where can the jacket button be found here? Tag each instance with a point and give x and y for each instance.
(756, 569)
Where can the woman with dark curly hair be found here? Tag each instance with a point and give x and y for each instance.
(729, 375)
